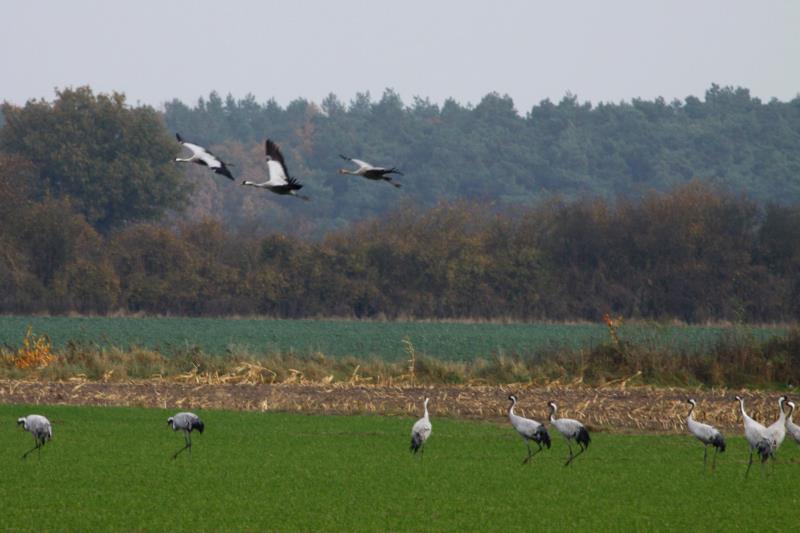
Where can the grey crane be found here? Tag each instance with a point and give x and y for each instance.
(420, 432)
(757, 437)
(278, 179)
(529, 430)
(791, 428)
(186, 422)
(706, 434)
(777, 430)
(571, 430)
(201, 156)
(39, 427)
(371, 172)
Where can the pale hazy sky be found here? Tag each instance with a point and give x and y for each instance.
(608, 50)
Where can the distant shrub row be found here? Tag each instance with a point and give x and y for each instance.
(694, 254)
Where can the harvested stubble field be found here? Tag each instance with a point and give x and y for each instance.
(615, 409)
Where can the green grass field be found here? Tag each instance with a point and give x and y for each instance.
(109, 469)
(448, 341)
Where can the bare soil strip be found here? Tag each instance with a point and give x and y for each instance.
(632, 409)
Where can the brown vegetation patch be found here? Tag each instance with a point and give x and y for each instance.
(621, 409)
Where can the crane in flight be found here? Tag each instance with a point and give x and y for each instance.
(278, 179)
(371, 172)
(204, 157)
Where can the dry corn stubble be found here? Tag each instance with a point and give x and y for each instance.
(618, 409)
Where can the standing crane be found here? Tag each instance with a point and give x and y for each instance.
(370, 172)
(186, 422)
(777, 430)
(571, 430)
(39, 427)
(757, 437)
(420, 432)
(201, 156)
(529, 430)
(706, 434)
(792, 428)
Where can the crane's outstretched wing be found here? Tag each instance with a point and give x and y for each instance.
(277, 174)
(360, 163)
(197, 150)
(393, 170)
(224, 170)
(274, 154)
(205, 157)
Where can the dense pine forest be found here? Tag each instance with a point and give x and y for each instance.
(684, 210)
(491, 152)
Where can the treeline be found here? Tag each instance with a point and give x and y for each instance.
(694, 254)
(567, 212)
(492, 152)
(115, 161)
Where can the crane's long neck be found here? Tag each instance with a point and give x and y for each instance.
(552, 413)
(426, 410)
(511, 408)
(782, 416)
(741, 405)
(689, 416)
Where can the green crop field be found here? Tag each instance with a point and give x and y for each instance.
(449, 341)
(110, 469)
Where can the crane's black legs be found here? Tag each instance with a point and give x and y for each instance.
(39, 444)
(571, 456)
(188, 446)
(749, 464)
(37, 447)
(705, 455)
(530, 455)
(764, 459)
(714, 460)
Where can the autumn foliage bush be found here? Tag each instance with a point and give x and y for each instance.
(35, 352)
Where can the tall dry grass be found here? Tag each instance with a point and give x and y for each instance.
(736, 360)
